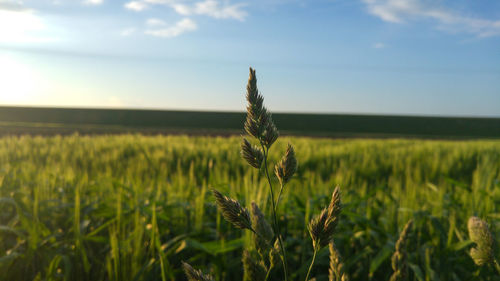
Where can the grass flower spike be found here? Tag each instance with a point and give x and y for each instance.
(259, 123)
(322, 227)
(232, 211)
(287, 166)
(336, 270)
(399, 258)
(263, 231)
(195, 275)
(252, 154)
(479, 233)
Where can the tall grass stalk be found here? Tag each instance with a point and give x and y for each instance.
(274, 212)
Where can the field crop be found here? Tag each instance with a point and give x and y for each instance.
(66, 121)
(133, 207)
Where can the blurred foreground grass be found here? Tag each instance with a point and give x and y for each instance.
(133, 207)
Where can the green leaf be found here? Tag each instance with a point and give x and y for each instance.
(460, 245)
(382, 255)
(212, 247)
(418, 272)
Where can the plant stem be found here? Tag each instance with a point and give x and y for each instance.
(312, 262)
(268, 272)
(275, 220)
(279, 196)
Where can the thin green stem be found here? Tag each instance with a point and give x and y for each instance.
(275, 220)
(312, 262)
(279, 196)
(268, 272)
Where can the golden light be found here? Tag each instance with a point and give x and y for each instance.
(20, 27)
(18, 83)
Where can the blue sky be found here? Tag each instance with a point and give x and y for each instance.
(418, 57)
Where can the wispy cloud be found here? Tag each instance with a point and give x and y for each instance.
(400, 11)
(155, 22)
(136, 6)
(379, 45)
(19, 24)
(128, 31)
(210, 8)
(93, 2)
(182, 26)
(11, 5)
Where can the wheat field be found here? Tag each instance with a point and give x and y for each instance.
(134, 207)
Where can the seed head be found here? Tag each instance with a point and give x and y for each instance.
(253, 96)
(232, 211)
(399, 258)
(336, 270)
(264, 232)
(287, 166)
(335, 206)
(253, 271)
(322, 227)
(252, 154)
(479, 233)
(195, 275)
(271, 134)
(259, 123)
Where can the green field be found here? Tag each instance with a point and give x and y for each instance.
(53, 121)
(133, 207)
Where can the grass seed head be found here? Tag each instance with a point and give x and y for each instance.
(264, 232)
(259, 123)
(317, 229)
(195, 275)
(480, 234)
(253, 271)
(287, 166)
(252, 154)
(335, 206)
(232, 211)
(271, 134)
(322, 227)
(399, 258)
(336, 271)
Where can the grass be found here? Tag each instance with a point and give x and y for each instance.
(133, 207)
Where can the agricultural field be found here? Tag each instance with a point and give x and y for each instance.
(133, 207)
(92, 121)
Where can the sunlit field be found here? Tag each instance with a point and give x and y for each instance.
(134, 207)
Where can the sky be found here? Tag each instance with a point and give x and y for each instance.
(398, 57)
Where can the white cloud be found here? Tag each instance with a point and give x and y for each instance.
(93, 2)
(379, 45)
(400, 11)
(155, 22)
(182, 9)
(182, 26)
(11, 5)
(22, 26)
(211, 8)
(136, 6)
(128, 31)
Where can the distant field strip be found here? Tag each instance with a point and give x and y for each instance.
(50, 121)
